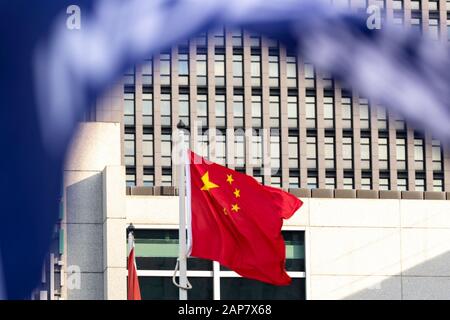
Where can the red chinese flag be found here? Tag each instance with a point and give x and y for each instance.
(237, 221)
(134, 292)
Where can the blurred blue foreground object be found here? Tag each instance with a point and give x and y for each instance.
(52, 73)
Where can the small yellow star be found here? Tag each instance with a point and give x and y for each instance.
(235, 208)
(237, 193)
(230, 178)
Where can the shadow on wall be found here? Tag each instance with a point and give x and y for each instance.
(427, 280)
(84, 198)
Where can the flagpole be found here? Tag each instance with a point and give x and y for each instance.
(182, 229)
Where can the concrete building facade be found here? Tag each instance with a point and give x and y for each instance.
(375, 222)
(353, 244)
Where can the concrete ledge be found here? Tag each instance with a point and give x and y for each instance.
(412, 195)
(322, 193)
(367, 194)
(434, 195)
(345, 193)
(168, 191)
(300, 192)
(390, 194)
(142, 191)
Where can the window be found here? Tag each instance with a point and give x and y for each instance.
(239, 149)
(147, 72)
(184, 108)
(448, 5)
(166, 110)
(256, 112)
(128, 109)
(346, 113)
(275, 151)
(238, 288)
(402, 184)
(383, 153)
(202, 110)
(384, 184)
(255, 41)
(202, 70)
(256, 148)
(312, 183)
(311, 152)
(203, 145)
(236, 36)
(397, 4)
(438, 185)
(219, 69)
(238, 79)
(329, 152)
(365, 153)
(275, 181)
(129, 149)
(294, 182)
(415, 4)
(418, 154)
(327, 81)
(347, 152)
(220, 111)
(202, 39)
(164, 68)
(416, 24)
(382, 119)
(130, 179)
(310, 111)
(183, 69)
(166, 179)
(274, 73)
(147, 109)
(433, 5)
(328, 112)
(419, 185)
(400, 124)
(330, 183)
(220, 148)
(433, 28)
(436, 155)
(219, 37)
(238, 111)
(292, 110)
(291, 71)
(366, 183)
(348, 183)
(148, 180)
(128, 77)
(255, 70)
(364, 113)
(401, 154)
(274, 110)
(147, 149)
(293, 152)
(166, 150)
(309, 76)
(448, 30)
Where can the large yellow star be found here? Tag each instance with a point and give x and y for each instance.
(237, 193)
(207, 184)
(230, 178)
(235, 208)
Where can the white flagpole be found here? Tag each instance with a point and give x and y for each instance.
(182, 231)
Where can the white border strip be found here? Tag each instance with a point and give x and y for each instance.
(2, 288)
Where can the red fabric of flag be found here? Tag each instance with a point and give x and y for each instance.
(134, 292)
(237, 221)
